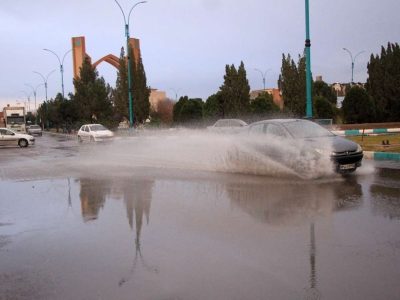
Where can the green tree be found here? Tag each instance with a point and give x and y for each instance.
(188, 110)
(178, 108)
(42, 113)
(214, 108)
(358, 107)
(53, 112)
(292, 83)
(383, 83)
(67, 113)
(243, 90)
(323, 109)
(235, 92)
(322, 89)
(92, 95)
(120, 93)
(30, 118)
(263, 104)
(141, 92)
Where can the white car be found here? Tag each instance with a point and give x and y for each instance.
(227, 126)
(94, 133)
(34, 130)
(9, 137)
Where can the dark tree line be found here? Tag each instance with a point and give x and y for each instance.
(383, 83)
(94, 101)
(292, 83)
(231, 101)
(380, 100)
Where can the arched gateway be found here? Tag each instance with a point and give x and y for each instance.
(79, 54)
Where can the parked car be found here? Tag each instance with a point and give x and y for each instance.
(94, 133)
(9, 137)
(34, 130)
(227, 126)
(310, 141)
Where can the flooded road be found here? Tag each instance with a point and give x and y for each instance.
(76, 222)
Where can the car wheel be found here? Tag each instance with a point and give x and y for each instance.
(79, 139)
(23, 143)
(91, 139)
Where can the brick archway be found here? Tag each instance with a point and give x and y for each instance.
(110, 58)
(79, 54)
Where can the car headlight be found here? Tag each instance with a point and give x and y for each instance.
(324, 151)
(359, 148)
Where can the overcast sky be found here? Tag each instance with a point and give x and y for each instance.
(187, 43)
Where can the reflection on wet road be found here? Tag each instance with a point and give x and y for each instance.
(158, 233)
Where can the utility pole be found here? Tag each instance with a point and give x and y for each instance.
(126, 22)
(309, 113)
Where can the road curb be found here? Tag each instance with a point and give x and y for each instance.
(382, 155)
(355, 132)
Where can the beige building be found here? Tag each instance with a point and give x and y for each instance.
(156, 97)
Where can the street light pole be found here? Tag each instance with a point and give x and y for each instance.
(263, 75)
(45, 87)
(34, 90)
(353, 60)
(45, 79)
(176, 93)
(28, 96)
(308, 63)
(61, 62)
(126, 22)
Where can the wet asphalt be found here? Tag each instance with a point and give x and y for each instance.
(76, 224)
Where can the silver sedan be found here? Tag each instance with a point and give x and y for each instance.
(9, 137)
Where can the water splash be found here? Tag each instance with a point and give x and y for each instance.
(205, 151)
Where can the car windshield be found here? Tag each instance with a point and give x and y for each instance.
(97, 127)
(306, 129)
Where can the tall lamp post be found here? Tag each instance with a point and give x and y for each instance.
(45, 87)
(308, 63)
(353, 60)
(61, 62)
(263, 75)
(34, 90)
(176, 93)
(126, 22)
(45, 78)
(28, 96)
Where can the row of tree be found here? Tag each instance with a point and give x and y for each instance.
(95, 101)
(233, 98)
(379, 101)
(231, 101)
